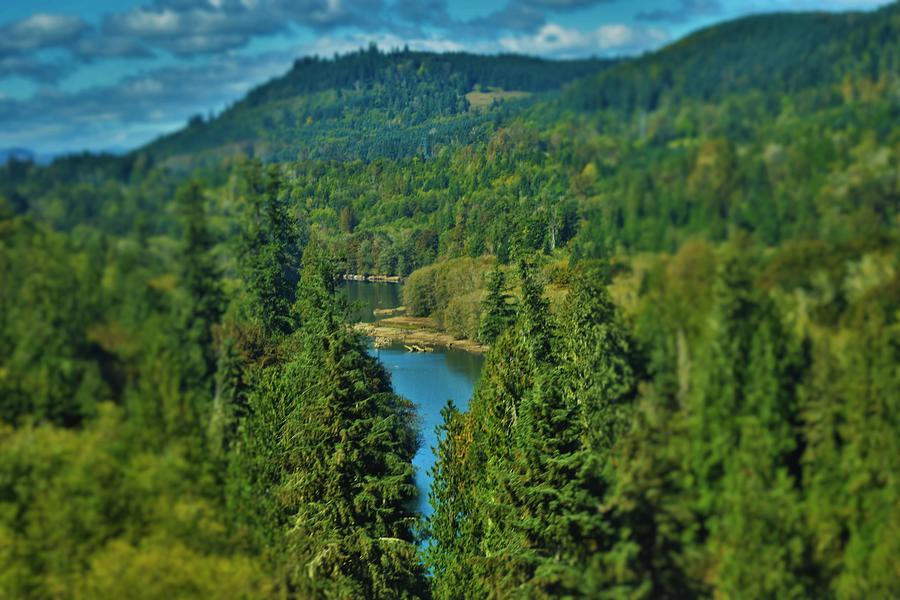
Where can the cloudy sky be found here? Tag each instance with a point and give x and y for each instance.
(113, 74)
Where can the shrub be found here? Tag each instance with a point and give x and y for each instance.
(462, 316)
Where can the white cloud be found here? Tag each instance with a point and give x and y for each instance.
(135, 110)
(151, 23)
(607, 40)
(40, 31)
(808, 5)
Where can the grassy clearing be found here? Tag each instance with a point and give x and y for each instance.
(482, 100)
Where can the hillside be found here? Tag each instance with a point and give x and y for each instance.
(369, 104)
(773, 54)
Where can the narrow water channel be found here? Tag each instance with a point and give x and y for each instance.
(428, 379)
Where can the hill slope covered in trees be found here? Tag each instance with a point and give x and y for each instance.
(369, 105)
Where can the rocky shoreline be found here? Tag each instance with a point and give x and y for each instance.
(415, 332)
(374, 278)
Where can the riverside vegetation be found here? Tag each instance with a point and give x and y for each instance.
(685, 264)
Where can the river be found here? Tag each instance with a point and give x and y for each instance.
(429, 379)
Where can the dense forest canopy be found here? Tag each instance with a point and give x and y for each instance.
(685, 265)
(369, 104)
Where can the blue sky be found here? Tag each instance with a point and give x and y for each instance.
(113, 74)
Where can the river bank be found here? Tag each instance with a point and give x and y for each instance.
(416, 331)
(449, 369)
(374, 278)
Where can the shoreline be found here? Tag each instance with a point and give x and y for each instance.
(416, 331)
(373, 278)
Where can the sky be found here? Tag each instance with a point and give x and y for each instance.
(110, 75)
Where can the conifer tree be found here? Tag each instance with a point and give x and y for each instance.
(230, 399)
(448, 548)
(497, 311)
(599, 360)
(560, 474)
(524, 477)
(268, 249)
(326, 453)
(186, 360)
(853, 450)
(473, 472)
(652, 507)
(533, 324)
(200, 279)
(555, 486)
(745, 442)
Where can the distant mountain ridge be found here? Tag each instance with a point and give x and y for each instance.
(8, 154)
(782, 53)
(369, 104)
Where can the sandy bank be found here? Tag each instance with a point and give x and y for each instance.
(420, 331)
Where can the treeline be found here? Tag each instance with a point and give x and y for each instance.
(802, 55)
(367, 105)
(168, 432)
(578, 184)
(729, 435)
(453, 71)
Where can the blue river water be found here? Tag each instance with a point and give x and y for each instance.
(428, 379)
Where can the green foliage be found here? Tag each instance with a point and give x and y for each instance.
(462, 316)
(709, 410)
(268, 249)
(725, 472)
(496, 310)
(50, 369)
(448, 290)
(200, 279)
(329, 447)
(777, 53)
(368, 105)
(169, 568)
(74, 503)
(521, 477)
(208, 479)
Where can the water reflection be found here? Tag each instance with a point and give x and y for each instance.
(366, 297)
(429, 380)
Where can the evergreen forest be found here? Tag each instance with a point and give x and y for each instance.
(685, 267)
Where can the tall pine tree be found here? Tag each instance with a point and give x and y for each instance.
(268, 249)
(497, 311)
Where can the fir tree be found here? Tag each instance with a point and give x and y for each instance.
(200, 280)
(533, 326)
(599, 360)
(745, 441)
(448, 546)
(268, 249)
(327, 451)
(497, 311)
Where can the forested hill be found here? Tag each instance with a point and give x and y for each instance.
(370, 104)
(775, 53)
